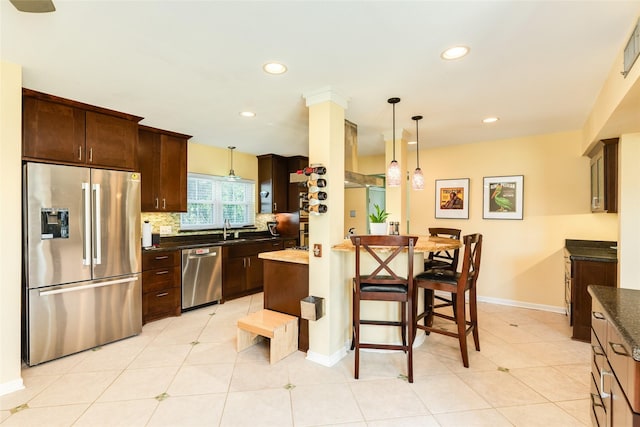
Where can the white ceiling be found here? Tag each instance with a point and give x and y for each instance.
(192, 66)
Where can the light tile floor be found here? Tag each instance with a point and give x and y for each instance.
(184, 371)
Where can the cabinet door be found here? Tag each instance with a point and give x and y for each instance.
(273, 176)
(173, 173)
(149, 167)
(111, 141)
(52, 131)
(587, 273)
(233, 277)
(255, 274)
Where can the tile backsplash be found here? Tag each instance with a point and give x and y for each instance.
(158, 219)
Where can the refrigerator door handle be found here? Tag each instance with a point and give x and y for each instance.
(98, 238)
(86, 251)
(93, 285)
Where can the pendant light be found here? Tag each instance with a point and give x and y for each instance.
(393, 172)
(232, 175)
(418, 179)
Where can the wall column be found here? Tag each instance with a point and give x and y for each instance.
(11, 213)
(327, 336)
(628, 211)
(396, 197)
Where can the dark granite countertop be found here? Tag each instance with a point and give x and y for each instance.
(621, 309)
(202, 240)
(592, 250)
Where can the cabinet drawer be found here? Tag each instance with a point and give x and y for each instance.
(161, 278)
(598, 411)
(160, 259)
(249, 249)
(626, 369)
(599, 322)
(163, 301)
(598, 355)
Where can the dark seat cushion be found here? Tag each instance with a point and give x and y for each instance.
(439, 275)
(381, 287)
(434, 263)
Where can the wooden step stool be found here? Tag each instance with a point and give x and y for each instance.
(280, 328)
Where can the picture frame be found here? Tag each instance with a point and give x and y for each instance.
(503, 197)
(452, 198)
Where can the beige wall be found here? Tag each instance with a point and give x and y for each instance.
(522, 261)
(215, 161)
(10, 217)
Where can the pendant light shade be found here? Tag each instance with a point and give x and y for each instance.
(232, 175)
(417, 181)
(393, 171)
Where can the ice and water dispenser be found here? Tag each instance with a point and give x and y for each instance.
(54, 223)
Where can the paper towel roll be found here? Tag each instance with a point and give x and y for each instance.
(146, 235)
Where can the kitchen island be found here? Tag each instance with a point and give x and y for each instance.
(286, 282)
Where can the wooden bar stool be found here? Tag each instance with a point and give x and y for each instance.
(457, 285)
(383, 284)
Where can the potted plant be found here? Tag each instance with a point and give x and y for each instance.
(378, 221)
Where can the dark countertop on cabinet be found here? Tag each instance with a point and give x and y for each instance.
(202, 240)
(621, 309)
(592, 250)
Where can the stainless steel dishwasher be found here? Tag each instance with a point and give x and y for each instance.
(201, 276)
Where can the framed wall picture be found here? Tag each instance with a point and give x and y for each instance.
(452, 198)
(503, 197)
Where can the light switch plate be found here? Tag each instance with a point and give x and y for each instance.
(166, 229)
(317, 250)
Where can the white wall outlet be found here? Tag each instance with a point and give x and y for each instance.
(166, 229)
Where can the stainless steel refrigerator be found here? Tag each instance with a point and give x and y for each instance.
(82, 259)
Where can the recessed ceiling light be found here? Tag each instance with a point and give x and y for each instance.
(490, 120)
(274, 68)
(454, 52)
(247, 114)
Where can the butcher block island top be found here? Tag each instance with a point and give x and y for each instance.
(287, 255)
(424, 244)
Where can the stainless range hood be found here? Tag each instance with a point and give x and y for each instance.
(352, 179)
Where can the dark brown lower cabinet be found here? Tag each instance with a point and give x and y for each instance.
(242, 269)
(285, 284)
(583, 274)
(161, 285)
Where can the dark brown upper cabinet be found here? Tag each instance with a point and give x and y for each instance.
(58, 130)
(604, 176)
(162, 162)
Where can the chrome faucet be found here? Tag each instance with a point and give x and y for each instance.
(227, 226)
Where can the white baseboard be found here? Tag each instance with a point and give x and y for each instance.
(11, 386)
(521, 304)
(327, 361)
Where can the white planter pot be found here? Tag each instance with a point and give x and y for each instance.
(378, 228)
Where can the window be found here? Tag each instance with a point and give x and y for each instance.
(213, 199)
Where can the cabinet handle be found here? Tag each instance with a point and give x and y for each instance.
(275, 206)
(157, 205)
(249, 260)
(164, 203)
(162, 257)
(244, 263)
(164, 294)
(602, 374)
(593, 400)
(162, 272)
(80, 153)
(91, 155)
(619, 353)
(597, 350)
(598, 315)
